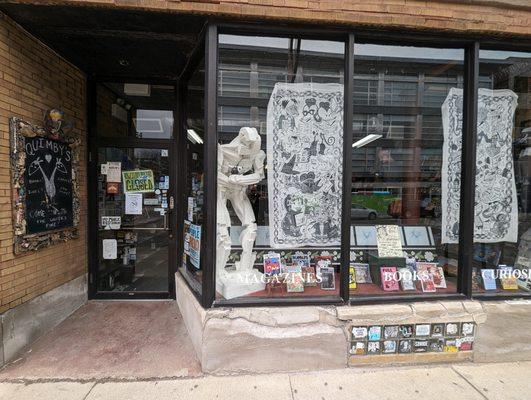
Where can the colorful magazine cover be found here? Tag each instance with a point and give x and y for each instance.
(406, 279)
(489, 279)
(300, 258)
(310, 278)
(272, 265)
(362, 273)
(294, 279)
(352, 278)
(328, 278)
(426, 281)
(438, 276)
(389, 279)
(322, 262)
(507, 278)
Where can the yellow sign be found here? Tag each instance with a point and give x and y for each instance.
(138, 181)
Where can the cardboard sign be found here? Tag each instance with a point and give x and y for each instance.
(111, 222)
(138, 181)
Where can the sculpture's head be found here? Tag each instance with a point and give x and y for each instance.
(250, 140)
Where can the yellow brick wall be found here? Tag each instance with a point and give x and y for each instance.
(511, 17)
(32, 79)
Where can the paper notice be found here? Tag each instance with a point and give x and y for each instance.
(388, 239)
(110, 249)
(114, 171)
(111, 222)
(133, 203)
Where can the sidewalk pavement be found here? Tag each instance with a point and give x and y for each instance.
(457, 381)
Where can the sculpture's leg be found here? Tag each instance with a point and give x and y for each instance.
(223, 243)
(244, 210)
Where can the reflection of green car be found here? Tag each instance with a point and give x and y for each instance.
(357, 211)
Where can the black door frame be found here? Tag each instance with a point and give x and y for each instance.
(94, 143)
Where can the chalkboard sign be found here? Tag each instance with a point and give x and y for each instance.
(48, 182)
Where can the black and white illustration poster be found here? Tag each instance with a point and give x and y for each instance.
(304, 157)
(496, 206)
(48, 181)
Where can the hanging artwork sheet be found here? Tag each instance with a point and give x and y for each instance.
(305, 162)
(496, 207)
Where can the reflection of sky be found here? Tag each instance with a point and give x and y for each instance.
(367, 49)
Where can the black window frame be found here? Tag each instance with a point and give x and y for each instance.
(470, 45)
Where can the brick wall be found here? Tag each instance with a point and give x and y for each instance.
(511, 17)
(32, 79)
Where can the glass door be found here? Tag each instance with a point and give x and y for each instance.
(134, 205)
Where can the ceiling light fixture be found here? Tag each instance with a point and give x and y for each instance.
(366, 140)
(194, 137)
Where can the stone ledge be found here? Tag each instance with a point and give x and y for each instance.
(419, 312)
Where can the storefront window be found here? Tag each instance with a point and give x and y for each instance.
(406, 155)
(193, 196)
(502, 237)
(280, 132)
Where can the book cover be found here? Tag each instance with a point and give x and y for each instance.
(352, 278)
(389, 279)
(322, 262)
(362, 273)
(272, 264)
(507, 279)
(436, 272)
(295, 282)
(310, 278)
(428, 286)
(301, 259)
(328, 278)
(406, 279)
(489, 279)
(438, 276)
(397, 262)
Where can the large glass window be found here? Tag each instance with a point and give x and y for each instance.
(280, 132)
(502, 237)
(193, 191)
(406, 154)
(135, 110)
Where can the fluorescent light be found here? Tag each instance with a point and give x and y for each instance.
(366, 140)
(194, 137)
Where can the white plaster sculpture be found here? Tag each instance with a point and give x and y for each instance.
(240, 164)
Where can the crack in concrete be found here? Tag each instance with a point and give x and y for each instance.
(470, 383)
(291, 388)
(90, 390)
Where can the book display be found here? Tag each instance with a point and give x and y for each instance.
(405, 339)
